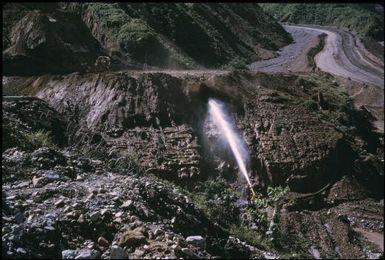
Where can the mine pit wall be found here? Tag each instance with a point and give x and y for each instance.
(149, 115)
(159, 117)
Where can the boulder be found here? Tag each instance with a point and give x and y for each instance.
(197, 241)
(80, 254)
(118, 253)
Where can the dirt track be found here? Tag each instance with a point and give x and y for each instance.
(343, 55)
(289, 54)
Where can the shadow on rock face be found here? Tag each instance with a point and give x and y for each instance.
(200, 93)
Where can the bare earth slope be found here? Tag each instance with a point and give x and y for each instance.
(68, 200)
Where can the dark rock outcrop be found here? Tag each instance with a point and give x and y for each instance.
(157, 120)
(23, 116)
(160, 117)
(38, 40)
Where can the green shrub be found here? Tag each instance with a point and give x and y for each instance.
(291, 245)
(125, 162)
(251, 237)
(339, 104)
(310, 105)
(110, 14)
(214, 197)
(38, 139)
(135, 36)
(274, 194)
(277, 193)
(237, 63)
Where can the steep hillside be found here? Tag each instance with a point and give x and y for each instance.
(189, 35)
(365, 19)
(163, 35)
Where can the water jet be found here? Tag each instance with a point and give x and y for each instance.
(224, 125)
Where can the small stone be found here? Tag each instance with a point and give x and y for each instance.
(50, 228)
(95, 216)
(102, 190)
(118, 220)
(118, 253)
(21, 251)
(29, 219)
(50, 216)
(105, 212)
(168, 236)
(89, 197)
(119, 214)
(91, 245)
(12, 197)
(126, 204)
(131, 238)
(138, 223)
(158, 232)
(72, 214)
(139, 252)
(23, 184)
(60, 203)
(103, 242)
(37, 181)
(37, 211)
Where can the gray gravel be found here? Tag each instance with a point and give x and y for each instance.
(341, 55)
(301, 36)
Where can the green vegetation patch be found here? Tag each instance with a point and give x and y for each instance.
(125, 161)
(109, 14)
(38, 139)
(340, 105)
(315, 50)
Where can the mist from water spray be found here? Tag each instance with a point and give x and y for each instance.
(219, 119)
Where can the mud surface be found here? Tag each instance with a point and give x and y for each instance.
(302, 37)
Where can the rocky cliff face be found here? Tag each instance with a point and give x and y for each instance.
(153, 114)
(62, 38)
(123, 128)
(38, 40)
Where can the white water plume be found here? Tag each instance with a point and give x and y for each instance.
(219, 118)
